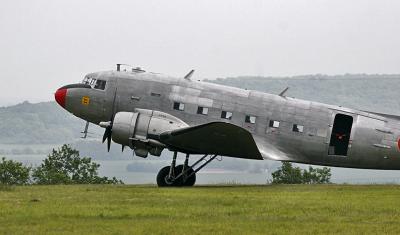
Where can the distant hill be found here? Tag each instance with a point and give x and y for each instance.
(378, 93)
(41, 123)
(47, 123)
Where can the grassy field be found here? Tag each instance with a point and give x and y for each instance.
(297, 209)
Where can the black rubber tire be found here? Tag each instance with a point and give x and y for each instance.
(189, 182)
(161, 177)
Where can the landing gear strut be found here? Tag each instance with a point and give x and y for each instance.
(181, 175)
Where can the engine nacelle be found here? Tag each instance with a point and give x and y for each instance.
(138, 130)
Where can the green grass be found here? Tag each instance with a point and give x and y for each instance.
(292, 209)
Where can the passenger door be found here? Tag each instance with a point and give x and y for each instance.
(340, 138)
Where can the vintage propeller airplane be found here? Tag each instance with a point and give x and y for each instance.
(150, 112)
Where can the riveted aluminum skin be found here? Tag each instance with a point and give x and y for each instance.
(373, 140)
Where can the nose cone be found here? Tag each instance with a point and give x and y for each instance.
(398, 143)
(60, 96)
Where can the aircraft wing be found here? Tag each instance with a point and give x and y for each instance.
(219, 138)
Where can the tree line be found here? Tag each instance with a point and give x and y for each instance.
(62, 166)
(66, 166)
(288, 174)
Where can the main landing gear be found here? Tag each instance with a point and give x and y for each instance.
(181, 175)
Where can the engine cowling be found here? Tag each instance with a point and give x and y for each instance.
(139, 130)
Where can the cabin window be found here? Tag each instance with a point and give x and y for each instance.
(298, 128)
(179, 106)
(274, 124)
(100, 84)
(202, 110)
(155, 94)
(250, 119)
(226, 115)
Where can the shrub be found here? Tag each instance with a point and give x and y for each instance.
(287, 174)
(65, 166)
(13, 173)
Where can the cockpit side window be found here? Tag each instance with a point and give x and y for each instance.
(86, 81)
(100, 84)
(92, 82)
(89, 81)
(95, 83)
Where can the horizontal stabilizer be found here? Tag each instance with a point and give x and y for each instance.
(219, 138)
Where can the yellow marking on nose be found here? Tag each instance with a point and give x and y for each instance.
(85, 100)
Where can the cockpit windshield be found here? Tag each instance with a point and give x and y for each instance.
(95, 83)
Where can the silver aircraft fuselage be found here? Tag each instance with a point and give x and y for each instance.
(284, 129)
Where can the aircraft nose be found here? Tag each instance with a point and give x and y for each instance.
(60, 96)
(398, 143)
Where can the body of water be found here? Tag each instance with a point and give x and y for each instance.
(118, 169)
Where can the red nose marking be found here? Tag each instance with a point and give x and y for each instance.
(60, 97)
(398, 143)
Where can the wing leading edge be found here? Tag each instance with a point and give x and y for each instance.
(219, 138)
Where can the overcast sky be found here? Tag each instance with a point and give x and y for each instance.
(46, 44)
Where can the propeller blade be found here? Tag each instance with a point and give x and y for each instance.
(104, 136)
(109, 143)
(107, 133)
(107, 136)
(108, 125)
